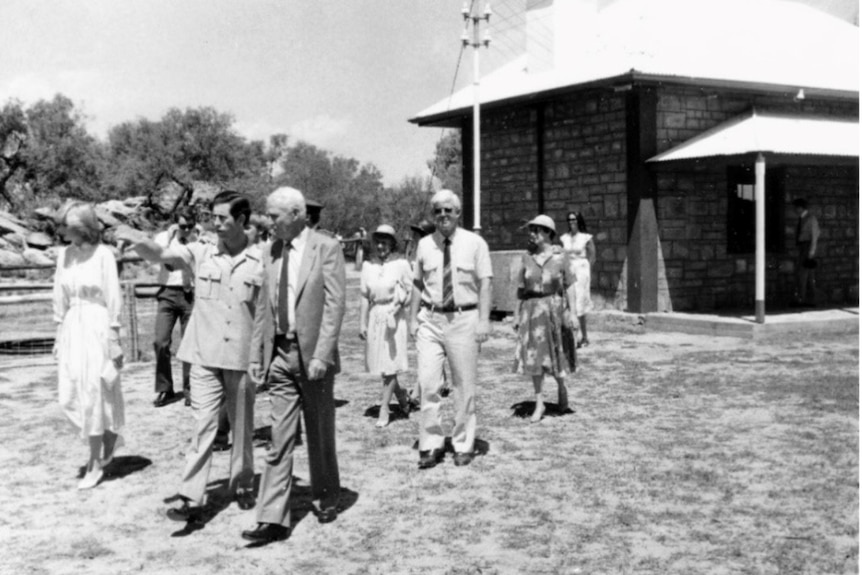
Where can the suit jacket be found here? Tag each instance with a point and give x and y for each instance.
(320, 303)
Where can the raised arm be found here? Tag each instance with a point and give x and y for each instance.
(149, 249)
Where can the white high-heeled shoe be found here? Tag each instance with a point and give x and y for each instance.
(91, 479)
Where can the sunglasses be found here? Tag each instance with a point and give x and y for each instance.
(441, 211)
(535, 229)
(186, 227)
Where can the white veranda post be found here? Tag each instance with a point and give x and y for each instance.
(760, 239)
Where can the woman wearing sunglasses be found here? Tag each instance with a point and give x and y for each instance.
(582, 255)
(542, 317)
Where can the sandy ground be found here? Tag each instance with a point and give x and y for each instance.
(684, 454)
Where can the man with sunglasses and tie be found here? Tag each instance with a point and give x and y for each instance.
(449, 318)
(175, 300)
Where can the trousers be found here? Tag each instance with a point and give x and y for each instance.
(211, 388)
(453, 336)
(290, 393)
(174, 303)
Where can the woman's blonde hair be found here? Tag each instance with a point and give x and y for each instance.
(91, 226)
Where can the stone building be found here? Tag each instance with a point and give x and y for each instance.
(648, 118)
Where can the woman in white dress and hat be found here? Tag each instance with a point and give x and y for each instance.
(385, 287)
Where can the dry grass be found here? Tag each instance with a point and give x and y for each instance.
(684, 454)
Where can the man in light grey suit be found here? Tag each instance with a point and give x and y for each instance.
(294, 346)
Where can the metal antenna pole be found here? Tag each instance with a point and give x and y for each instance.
(477, 41)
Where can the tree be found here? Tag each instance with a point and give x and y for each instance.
(47, 153)
(13, 135)
(447, 165)
(184, 146)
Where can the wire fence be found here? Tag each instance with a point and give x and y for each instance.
(26, 310)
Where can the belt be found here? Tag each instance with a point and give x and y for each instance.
(286, 341)
(534, 295)
(451, 309)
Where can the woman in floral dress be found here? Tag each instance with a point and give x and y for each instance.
(385, 287)
(87, 307)
(542, 314)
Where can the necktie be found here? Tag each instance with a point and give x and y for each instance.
(448, 294)
(282, 291)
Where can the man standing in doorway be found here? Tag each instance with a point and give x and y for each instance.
(453, 289)
(807, 234)
(295, 348)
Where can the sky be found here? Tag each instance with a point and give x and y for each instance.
(344, 75)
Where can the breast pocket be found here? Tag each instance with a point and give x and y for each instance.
(208, 283)
(250, 288)
(465, 273)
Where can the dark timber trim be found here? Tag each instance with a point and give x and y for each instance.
(641, 143)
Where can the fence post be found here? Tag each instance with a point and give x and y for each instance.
(132, 316)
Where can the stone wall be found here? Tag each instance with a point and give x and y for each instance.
(692, 211)
(584, 170)
(584, 158)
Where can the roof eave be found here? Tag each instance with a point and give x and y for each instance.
(452, 118)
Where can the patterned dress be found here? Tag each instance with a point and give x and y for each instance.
(541, 288)
(87, 305)
(387, 286)
(576, 247)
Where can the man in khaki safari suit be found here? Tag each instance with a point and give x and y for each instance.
(295, 348)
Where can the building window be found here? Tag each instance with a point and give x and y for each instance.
(741, 210)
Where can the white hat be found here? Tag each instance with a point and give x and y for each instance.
(385, 230)
(544, 221)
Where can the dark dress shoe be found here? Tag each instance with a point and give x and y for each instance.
(327, 514)
(164, 398)
(221, 443)
(266, 533)
(245, 500)
(463, 459)
(428, 459)
(185, 512)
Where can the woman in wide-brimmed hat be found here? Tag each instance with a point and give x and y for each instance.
(386, 286)
(542, 318)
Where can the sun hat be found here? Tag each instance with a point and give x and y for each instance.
(385, 230)
(543, 221)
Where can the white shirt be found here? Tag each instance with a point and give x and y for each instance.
(294, 259)
(175, 277)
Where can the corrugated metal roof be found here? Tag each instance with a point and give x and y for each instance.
(761, 42)
(771, 133)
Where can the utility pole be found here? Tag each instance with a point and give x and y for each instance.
(474, 19)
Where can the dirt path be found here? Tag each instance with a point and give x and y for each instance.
(684, 454)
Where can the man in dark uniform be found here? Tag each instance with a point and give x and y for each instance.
(807, 234)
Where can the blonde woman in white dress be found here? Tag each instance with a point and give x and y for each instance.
(579, 245)
(386, 287)
(87, 307)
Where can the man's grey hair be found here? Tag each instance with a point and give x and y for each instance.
(287, 198)
(446, 197)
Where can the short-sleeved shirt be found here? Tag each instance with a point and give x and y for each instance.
(807, 229)
(226, 288)
(471, 263)
(169, 275)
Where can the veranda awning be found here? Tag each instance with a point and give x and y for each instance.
(771, 134)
